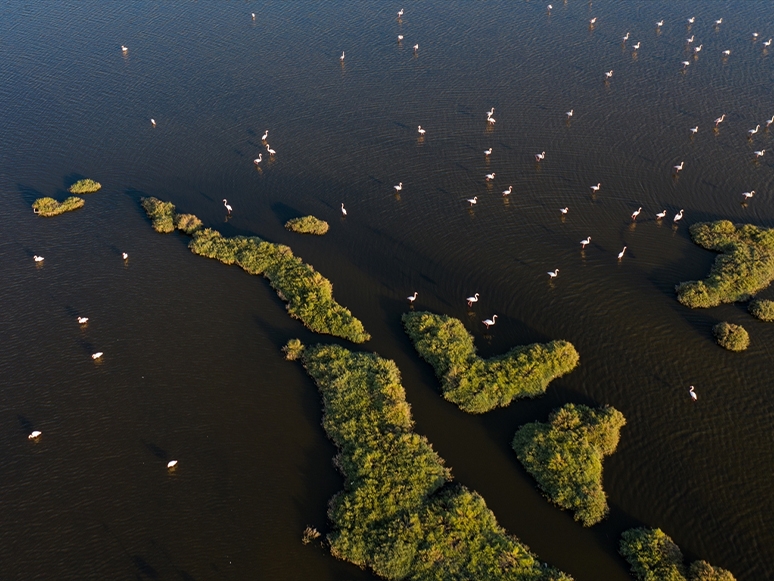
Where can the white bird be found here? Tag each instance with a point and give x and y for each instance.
(767, 43)
(508, 191)
(253, 15)
(34, 435)
(416, 47)
(490, 176)
(473, 201)
(124, 49)
(718, 22)
(399, 187)
(412, 298)
(679, 168)
(400, 37)
(553, 274)
(124, 255)
(661, 215)
(593, 20)
(596, 188)
(491, 120)
(585, 242)
(258, 159)
(620, 254)
(400, 12)
(569, 113)
(226, 204)
(37, 258)
(609, 74)
(694, 130)
(697, 49)
(343, 210)
(270, 150)
(490, 322)
(265, 135)
(471, 300)
(83, 320)
(636, 213)
(748, 195)
(490, 112)
(686, 64)
(564, 211)
(691, 20)
(550, 8)
(420, 130)
(96, 355)
(752, 132)
(678, 216)
(690, 40)
(692, 393)
(636, 46)
(488, 152)
(769, 122)
(726, 52)
(755, 35)
(759, 153)
(341, 58)
(153, 122)
(720, 119)
(660, 23)
(540, 156)
(171, 464)
(626, 37)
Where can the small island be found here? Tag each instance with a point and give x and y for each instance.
(565, 456)
(86, 186)
(307, 225)
(653, 556)
(50, 207)
(744, 267)
(309, 295)
(477, 385)
(762, 309)
(731, 337)
(399, 513)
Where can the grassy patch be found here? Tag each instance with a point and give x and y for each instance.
(744, 267)
(309, 295)
(731, 337)
(50, 207)
(653, 556)
(762, 309)
(565, 456)
(399, 514)
(478, 385)
(307, 225)
(85, 187)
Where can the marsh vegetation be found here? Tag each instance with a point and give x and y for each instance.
(731, 337)
(86, 186)
(50, 207)
(478, 385)
(565, 456)
(307, 225)
(762, 309)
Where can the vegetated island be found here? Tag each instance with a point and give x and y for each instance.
(478, 385)
(307, 225)
(50, 207)
(762, 309)
(86, 186)
(744, 267)
(399, 513)
(309, 295)
(565, 456)
(653, 556)
(731, 337)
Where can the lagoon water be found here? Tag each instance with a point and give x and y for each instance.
(192, 367)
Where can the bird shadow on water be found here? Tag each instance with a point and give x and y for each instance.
(156, 451)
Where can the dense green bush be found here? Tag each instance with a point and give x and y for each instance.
(308, 293)
(399, 514)
(731, 337)
(307, 225)
(565, 456)
(293, 349)
(762, 309)
(85, 187)
(477, 385)
(653, 556)
(50, 207)
(744, 267)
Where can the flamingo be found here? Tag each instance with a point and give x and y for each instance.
(767, 43)
(37, 258)
(718, 22)
(626, 37)
(471, 300)
(726, 52)
(690, 40)
(490, 176)
(490, 322)
(490, 112)
(593, 21)
(697, 49)
(636, 46)
(341, 58)
(692, 393)
(420, 130)
(609, 74)
(153, 122)
(620, 254)
(124, 49)
(270, 150)
(660, 23)
(343, 210)
(508, 191)
(473, 201)
(83, 320)
(171, 464)
(416, 47)
(691, 20)
(752, 132)
(399, 187)
(488, 152)
(258, 159)
(550, 7)
(685, 64)
(564, 210)
(125, 256)
(540, 156)
(491, 120)
(636, 213)
(412, 298)
(720, 119)
(759, 153)
(694, 130)
(569, 113)
(265, 135)
(400, 38)
(97, 355)
(228, 207)
(34, 435)
(400, 12)
(769, 122)
(678, 216)
(755, 36)
(748, 195)
(553, 274)
(661, 215)
(585, 243)
(679, 168)
(595, 189)
(253, 15)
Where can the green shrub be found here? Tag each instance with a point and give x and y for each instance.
(309, 295)
(399, 514)
(293, 349)
(477, 385)
(50, 207)
(565, 456)
(85, 187)
(731, 337)
(762, 309)
(744, 267)
(653, 556)
(307, 225)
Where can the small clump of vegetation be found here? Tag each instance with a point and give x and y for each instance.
(744, 267)
(565, 456)
(50, 207)
(762, 309)
(478, 385)
(307, 225)
(309, 295)
(731, 337)
(86, 186)
(293, 349)
(310, 534)
(653, 556)
(399, 513)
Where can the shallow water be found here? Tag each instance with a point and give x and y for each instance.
(192, 368)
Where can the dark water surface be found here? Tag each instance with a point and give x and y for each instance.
(192, 368)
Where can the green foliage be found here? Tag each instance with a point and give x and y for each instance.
(85, 187)
(307, 225)
(308, 293)
(477, 385)
(565, 456)
(744, 267)
(762, 309)
(398, 513)
(50, 207)
(653, 556)
(293, 349)
(731, 337)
